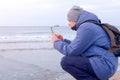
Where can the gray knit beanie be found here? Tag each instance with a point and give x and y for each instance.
(74, 13)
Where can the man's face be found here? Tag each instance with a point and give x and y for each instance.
(71, 23)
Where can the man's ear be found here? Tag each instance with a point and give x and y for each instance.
(71, 23)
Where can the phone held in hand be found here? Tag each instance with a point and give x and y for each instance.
(52, 29)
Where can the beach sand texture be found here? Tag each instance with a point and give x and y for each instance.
(31, 65)
(34, 65)
(14, 70)
(116, 76)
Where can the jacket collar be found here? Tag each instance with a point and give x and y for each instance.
(85, 17)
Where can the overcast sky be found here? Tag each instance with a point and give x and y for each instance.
(53, 12)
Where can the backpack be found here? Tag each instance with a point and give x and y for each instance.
(114, 35)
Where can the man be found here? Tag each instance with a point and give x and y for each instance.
(86, 57)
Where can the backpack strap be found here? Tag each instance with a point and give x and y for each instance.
(107, 29)
(91, 21)
(96, 23)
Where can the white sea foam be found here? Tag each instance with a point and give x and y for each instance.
(30, 38)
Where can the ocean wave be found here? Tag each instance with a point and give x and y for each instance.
(25, 49)
(25, 45)
(25, 38)
(16, 42)
(28, 33)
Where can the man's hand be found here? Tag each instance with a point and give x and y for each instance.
(60, 37)
(56, 37)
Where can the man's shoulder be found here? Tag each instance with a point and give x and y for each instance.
(90, 26)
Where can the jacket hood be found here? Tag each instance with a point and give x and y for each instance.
(85, 16)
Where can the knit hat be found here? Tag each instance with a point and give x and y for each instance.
(74, 13)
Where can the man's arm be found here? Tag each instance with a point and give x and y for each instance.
(83, 40)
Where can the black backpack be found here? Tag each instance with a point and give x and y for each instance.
(114, 35)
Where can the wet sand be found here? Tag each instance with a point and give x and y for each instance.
(116, 76)
(15, 70)
(33, 65)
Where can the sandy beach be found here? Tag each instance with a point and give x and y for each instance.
(14, 70)
(31, 65)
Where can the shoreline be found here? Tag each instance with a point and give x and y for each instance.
(11, 69)
(15, 70)
(46, 62)
(41, 59)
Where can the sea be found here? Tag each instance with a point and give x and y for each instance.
(25, 36)
(31, 46)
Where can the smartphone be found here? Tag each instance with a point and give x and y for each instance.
(52, 29)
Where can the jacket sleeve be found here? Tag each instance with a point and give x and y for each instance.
(83, 40)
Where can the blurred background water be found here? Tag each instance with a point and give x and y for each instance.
(31, 37)
(32, 45)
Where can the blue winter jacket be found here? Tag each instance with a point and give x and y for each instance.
(90, 40)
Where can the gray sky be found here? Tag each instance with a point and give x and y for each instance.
(52, 12)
